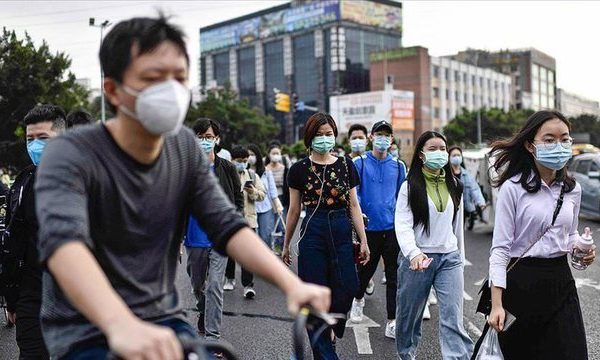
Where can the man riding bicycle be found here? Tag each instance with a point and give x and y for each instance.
(112, 200)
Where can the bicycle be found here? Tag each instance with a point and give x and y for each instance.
(307, 318)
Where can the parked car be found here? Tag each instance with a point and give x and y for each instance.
(584, 149)
(586, 169)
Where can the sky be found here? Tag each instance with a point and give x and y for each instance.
(566, 30)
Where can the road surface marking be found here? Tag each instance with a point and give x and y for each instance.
(467, 296)
(467, 262)
(361, 334)
(579, 282)
(480, 282)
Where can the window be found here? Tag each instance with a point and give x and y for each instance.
(436, 92)
(456, 76)
(221, 68)
(481, 82)
(583, 166)
(473, 80)
(203, 71)
(594, 168)
(306, 81)
(446, 74)
(465, 77)
(274, 78)
(247, 74)
(489, 83)
(436, 71)
(447, 94)
(465, 98)
(436, 112)
(447, 114)
(456, 96)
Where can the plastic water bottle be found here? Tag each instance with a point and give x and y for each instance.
(581, 249)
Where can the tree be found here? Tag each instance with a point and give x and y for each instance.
(587, 123)
(31, 75)
(495, 124)
(240, 123)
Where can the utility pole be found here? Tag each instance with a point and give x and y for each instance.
(102, 25)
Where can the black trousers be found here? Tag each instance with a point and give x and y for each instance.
(28, 327)
(381, 244)
(247, 276)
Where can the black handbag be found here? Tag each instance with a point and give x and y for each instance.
(484, 306)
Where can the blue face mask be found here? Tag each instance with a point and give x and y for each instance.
(382, 143)
(435, 160)
(206, 145)
(358, 145)
(241, 166)
(554, 159)
(323, 144)
(456, 160)
(35, 149)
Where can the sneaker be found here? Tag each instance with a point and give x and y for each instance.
(370, 288)
(432, 298)
(229, 284)
(390, 329)
(356, 314)
(249, 292)
(426, 313)
(383, 280)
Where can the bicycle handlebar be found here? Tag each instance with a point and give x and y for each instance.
(310, 319)
(197, 349)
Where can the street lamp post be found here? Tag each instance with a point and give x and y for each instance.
(102, 25)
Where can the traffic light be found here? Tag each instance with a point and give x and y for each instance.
(295, 99)
(282, 102)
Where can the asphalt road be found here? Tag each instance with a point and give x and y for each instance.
(261, 328)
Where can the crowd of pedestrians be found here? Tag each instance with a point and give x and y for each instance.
(104, 211)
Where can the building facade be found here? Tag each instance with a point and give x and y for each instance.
(314, 49)
(572, 105)
(533, 74)
(442, 86)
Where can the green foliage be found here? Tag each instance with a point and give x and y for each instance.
(30, 75)
(240, 123)
(587, 123)
(296, 149)
(495, 124)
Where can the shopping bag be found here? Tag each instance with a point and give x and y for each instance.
(277, 235)
(490, 347)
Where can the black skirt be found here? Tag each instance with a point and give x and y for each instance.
(541, 293)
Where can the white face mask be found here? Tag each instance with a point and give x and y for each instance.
(252, 160)
(276, 158)
(160, 108)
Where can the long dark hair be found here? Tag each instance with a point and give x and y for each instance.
(513, 159)
(260, 165)
(417, 190)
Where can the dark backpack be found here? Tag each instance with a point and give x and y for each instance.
(12, 247)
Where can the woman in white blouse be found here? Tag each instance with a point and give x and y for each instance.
(539, 290)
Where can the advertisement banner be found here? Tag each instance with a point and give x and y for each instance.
(403, 111)
(372, 14)
(272, 24)
(394, 106)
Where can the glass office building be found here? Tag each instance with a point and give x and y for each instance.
(312, 48)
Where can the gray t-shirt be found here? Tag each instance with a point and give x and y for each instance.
(130, 216)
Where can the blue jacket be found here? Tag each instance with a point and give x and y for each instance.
(380, 181)
(472, 195)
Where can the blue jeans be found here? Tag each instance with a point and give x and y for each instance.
(266, 225)
(206, 268)
(326, 258)
(99, 350)
(446, 275)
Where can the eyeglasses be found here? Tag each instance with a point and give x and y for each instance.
(207, 137)
(551, 144)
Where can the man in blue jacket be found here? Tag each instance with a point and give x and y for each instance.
(205, 266)
(380, 179)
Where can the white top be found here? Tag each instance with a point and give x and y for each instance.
(444, 236)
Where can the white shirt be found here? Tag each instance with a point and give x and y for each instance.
(444, 235)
